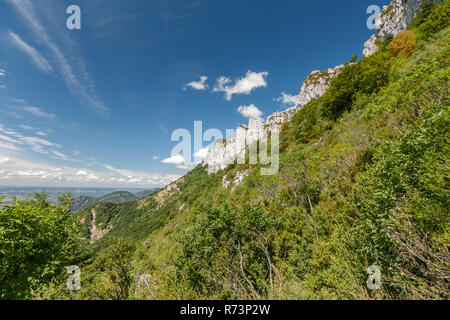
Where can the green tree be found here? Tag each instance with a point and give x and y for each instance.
(38, 240)
(114, 279)
(231, 253)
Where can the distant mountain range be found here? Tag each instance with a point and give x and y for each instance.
(82, 197)
(117, 197)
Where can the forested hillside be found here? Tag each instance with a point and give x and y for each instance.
(363, 180)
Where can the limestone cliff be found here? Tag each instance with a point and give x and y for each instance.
(223, 153)
(394, 18)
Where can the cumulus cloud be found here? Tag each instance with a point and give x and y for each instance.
(20, 172)
(287, 99)
(39, 61)
(251, 112)
(197, 85)
(180, 162)
(244, 85)
(178, 159)
(39, 113)
(201, 153)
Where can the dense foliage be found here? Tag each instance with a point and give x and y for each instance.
(38, 240)
(363, 180)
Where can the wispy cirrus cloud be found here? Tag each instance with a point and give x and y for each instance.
(21, 101)
(39, 61)
(79, 82)
(2, 74)
(39, 113)
(16, 141)
(38, 144)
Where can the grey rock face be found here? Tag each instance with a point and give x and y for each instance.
(224, 153)
(236, 181)
(394, 18)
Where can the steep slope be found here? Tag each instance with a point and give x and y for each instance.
(396, 17)
(363, 180)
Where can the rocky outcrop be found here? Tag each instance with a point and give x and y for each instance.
(394, 18)
(223, 153)
(96, 233)
(236, 181)
(316, 84)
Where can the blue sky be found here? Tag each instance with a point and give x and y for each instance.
(97, 106)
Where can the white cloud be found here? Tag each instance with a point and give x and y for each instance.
(287, 99)
(245, 85)
(9, 146)
(38, 144)
(71, 68)
(25, 127)
(18, 100)
(30, 128)
(35, 56)
(12, 139)
(60, 155)
(20, 172)
(178, 159)
(251, 112)
(187, 166)
(2, 74)
(155, 158)
(9, 139)
(198, 85)
(39, 113)
(201, 153)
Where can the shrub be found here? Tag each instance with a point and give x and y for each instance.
(437, 19)
(403, 44)
(38, 240)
